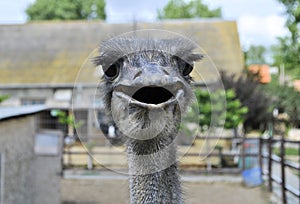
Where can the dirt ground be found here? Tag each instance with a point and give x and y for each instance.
(111, 191)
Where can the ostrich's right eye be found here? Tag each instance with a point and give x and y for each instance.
(113, 71)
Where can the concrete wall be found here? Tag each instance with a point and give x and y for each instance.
(16, 143)
(28, 178)
(46, 175)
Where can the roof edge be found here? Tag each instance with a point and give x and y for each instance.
(97, 21)
(47, 86)
(13, 112)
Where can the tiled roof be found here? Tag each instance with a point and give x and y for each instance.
(53, 52)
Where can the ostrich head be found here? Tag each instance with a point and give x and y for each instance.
(146, 86)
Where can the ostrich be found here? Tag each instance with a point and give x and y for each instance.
(146, 89)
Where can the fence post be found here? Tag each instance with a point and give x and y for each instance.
(282, 152)
(62, 157)
(260, 156)
(243, 153)
(208, 159)
(69, 156)
(270, 163)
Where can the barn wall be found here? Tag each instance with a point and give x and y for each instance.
(16, 143)
(27, 178)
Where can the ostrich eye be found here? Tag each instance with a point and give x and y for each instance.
(184, 67)
(113, 71)
(187, 69)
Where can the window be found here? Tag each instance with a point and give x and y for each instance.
(63, 95)
(47, 121)
(32, 101)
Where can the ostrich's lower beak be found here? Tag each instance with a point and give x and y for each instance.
(151, 97)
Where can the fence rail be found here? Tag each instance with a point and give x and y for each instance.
(280, 160)
(218, 154)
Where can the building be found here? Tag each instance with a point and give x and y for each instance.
(30, 157)
(49, 63)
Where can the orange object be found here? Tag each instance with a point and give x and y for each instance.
(263, 71)
(297, 85)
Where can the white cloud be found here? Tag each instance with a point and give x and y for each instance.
(234, 8)
(259, 21)
(260, 30)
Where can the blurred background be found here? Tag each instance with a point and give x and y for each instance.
(50, 114)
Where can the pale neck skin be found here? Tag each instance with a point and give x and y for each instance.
(154, 177)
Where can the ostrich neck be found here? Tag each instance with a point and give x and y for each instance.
(154, 176)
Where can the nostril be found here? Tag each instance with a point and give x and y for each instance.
(137, 74)
(152, 95)
(166, 72)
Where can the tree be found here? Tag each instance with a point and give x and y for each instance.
(255, 55)
(235, 111)
(289, 46)
(287, 100)
(251, 95)
(66, 10)
(209, 103)
(292, 11)
(176, 9)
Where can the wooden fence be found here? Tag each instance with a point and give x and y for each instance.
(280, 160)
(260, 149)
(220, 154)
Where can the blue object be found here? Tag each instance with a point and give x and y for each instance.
(252, 177)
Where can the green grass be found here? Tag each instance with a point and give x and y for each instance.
(288, 151)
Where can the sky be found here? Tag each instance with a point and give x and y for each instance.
(259, 22)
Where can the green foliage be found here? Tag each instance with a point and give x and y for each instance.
(236, 112)
(176, 9)
(292, 11)
(66, 10)
(251, 95)
(209, 104)
(65, 118)
(286, 99)
(255, 55)
(288, 50)
(287, 54)
(289, 151)
(3, 98)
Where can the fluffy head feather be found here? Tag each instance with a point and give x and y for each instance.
(116, 48)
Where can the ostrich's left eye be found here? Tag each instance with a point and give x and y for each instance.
(187, 69)
(112, 72)
(184, 67)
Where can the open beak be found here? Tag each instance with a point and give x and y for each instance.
(151, 97)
